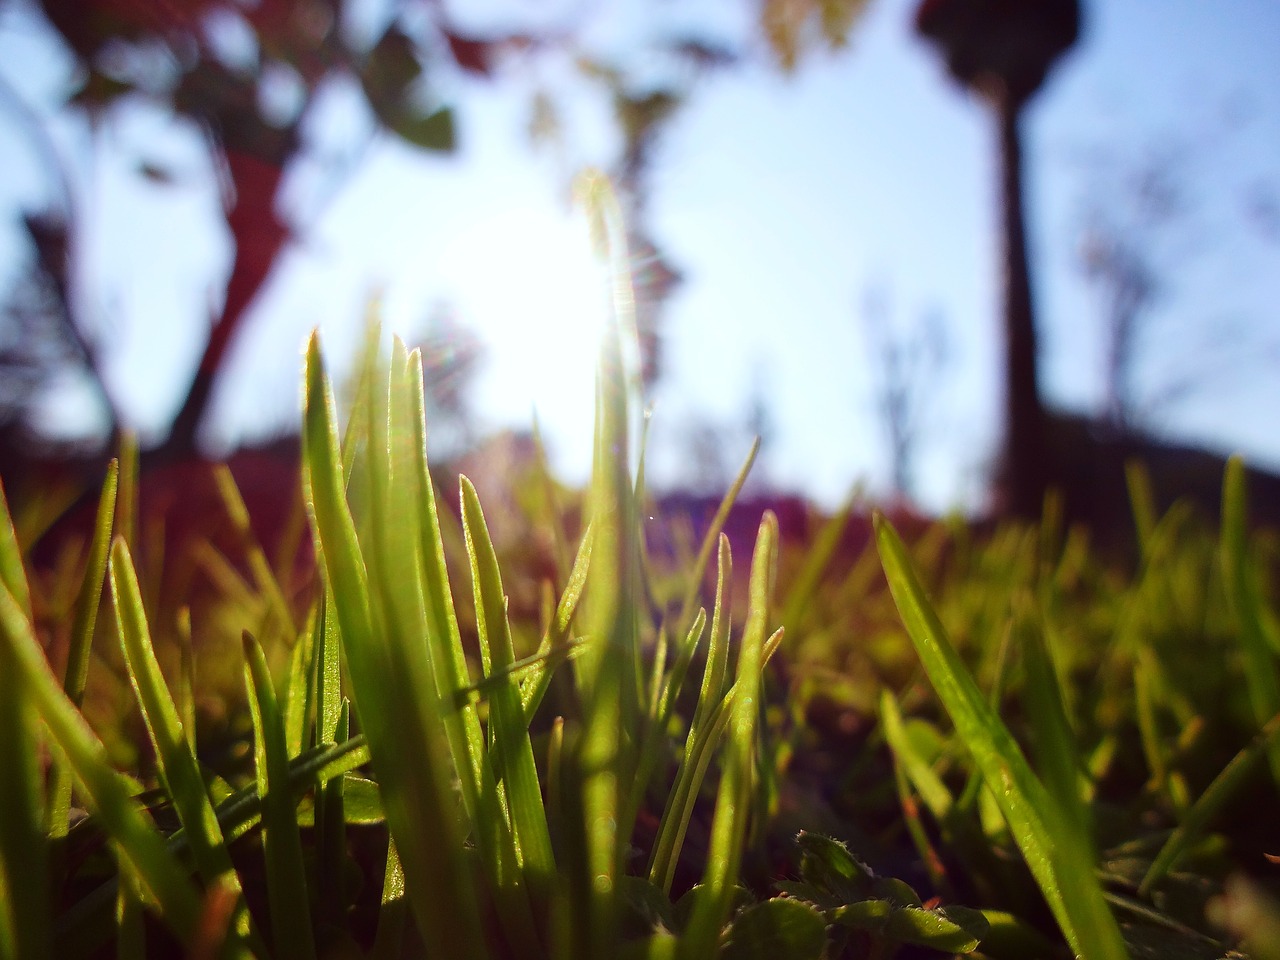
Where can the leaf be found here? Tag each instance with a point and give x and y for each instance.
(430, 131)
(827, 864)
(777, 929)
(950, 929)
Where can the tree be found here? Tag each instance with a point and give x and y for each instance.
(222, 65)
(248, 75)
(1003, 50)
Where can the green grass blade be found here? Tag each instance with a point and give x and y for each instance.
(804, 586)
(12, 574)
(161, 879)
(679, 807)
(178, 769)
(1224, 786)
(263, 575)
(712, 537)
(1051, 841)
(601, 758)
(534, 685)
(1143, 500)
(24, 881)
(512, 751)
(1260, 674)
(287, 900)
(1055, 744)
(82, 629)
(400, 722)
(331, 838)
(729, 823)
(915, 767)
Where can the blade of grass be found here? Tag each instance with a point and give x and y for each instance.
(1224, 786)
(24, 867)
(176, 764)
(264, 577)
(729, 823)
(602, 757)
(1051, 841)
(679, 807)
(512, 751)
(709, 541)
(162, 880)
(82, 629)
(289, 907)
(389, 703)
(1260, 674)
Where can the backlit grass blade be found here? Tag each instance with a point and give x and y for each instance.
(1055, 743)
(729, 824)
(534, 684)
(1260, 674)
(1052, 842)
(679, 807)
(264, 577)
(398, 719)
(12, 574)
(709, 541)
(1224, 786)
(507, 723)
(804, 586)
(287, 900)
(82, 629)
(24, 880)
(602, 756)
(331, 837)
(177, 766)
(448, 667)
(163, 882)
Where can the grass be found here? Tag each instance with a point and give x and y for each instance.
(1040, 750)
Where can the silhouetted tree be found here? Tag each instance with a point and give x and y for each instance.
(1002, 50)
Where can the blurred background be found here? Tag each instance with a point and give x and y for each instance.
(190, 186)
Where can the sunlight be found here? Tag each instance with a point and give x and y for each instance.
(528, 284)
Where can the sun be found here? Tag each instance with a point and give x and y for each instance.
(526, 280)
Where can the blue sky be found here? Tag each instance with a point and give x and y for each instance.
(784, 200)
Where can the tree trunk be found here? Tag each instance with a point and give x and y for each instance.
(259, 238)
(1023, 470)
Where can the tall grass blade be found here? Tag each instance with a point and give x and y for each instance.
(460, 719)
(281, 843)
(82, 630)
(709, 541)
(162, 881)
(1052, 841)
(24, 880)
(1224, 786)
(729, 823)
(1261, 678)
(402, 725)
(179, 772)
(601, 757)
(512, 751)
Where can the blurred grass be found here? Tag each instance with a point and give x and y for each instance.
(1003, 740)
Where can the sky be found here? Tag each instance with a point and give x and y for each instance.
(787, 202)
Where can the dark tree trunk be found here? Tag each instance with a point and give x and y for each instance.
(1023, 470)
(259, 237)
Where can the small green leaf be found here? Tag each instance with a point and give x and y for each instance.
(777, 929)
(950, 929)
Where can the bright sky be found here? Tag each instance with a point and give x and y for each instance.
(784, 201)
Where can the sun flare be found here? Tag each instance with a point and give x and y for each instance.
(529, 284)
